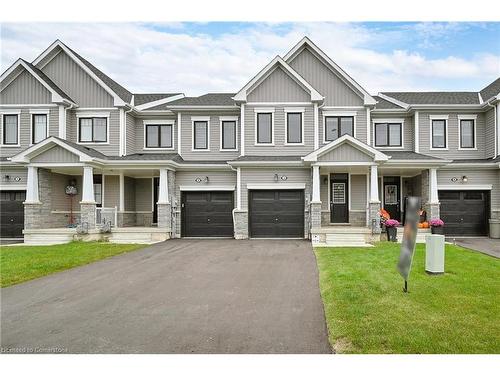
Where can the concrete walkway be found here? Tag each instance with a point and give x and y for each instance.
(484, 245)
(180, 296)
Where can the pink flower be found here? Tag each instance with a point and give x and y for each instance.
(391, 223)
(436, 223)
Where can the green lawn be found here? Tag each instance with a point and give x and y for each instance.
(366, 311)
(22, 263)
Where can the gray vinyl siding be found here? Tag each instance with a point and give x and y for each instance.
(22, 173)
(54, 122)
(139, 135)
(266, 175)
(25, 89)
(358, 192)
(56, 155)
(279, 147)
(111, 191)
(144, 194)
(346, 152)
(489, 133)
(408, 132)
(453, 142)
(278, 87)
(114, 132)
(360, 126)
(323, 193)
(334, 89)
(476, 176)
(75, 82)
(130, 124)
(61, 201)
(129, 193)
(216, 178)
(214, 130)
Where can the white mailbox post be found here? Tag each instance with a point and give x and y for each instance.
(434, 254)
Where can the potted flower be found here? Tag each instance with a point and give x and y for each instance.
(437, 226)
(390, 227)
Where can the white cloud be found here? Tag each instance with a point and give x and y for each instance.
(144, 58)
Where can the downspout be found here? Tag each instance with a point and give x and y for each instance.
(238, 192)
(71, 106)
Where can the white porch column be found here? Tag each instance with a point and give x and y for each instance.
(238, 188)
(62, 121)
(242, 130)
(433, 189)
(374, 198)
(316, 187)
(163, 187)
(32, 186)
(316, 126)
(88, 185)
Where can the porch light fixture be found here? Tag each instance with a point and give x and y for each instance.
(464, 179)
(284, 178)
(276, 177)
(197, 180)
(454, 179)
(206, 179)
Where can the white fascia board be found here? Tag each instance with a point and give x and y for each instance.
(277, 163)
(46, 144)
(159, 102)
(368, 99)
(394, 101)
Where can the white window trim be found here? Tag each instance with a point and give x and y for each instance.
(39, 112)
(196, 119)
(158, 122)
(467, 117)
(336, 114)
(18, 114)
(264, 110)
(92, 115)
(221, 120)
(294, 110)
(438, 117)
(389, 121)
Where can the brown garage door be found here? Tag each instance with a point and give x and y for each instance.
(276, 213)
(12, 213)
(464, 212)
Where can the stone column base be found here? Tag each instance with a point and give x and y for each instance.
(374, 219)
(432, 210)
(33, 218)
(240, 224)
(315, 215)
(87, 214)
(164, 216)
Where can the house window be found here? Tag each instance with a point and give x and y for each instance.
(337, 126)
(388, 135)
(10, 129)
(98, 190)
(439, 133)
(467, 139)
(228, 135)
(293, 127)
(93, 129)
(38, 128)
(200, 130)
(264, 128)
(158, 136)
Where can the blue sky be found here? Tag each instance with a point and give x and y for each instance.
(215, 57)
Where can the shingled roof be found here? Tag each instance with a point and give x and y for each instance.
(385, 104)
(148, 98)
(210, 99)
(493, 89)
(436, 97)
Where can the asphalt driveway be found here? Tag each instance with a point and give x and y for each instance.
(180, 296)
(484, 245)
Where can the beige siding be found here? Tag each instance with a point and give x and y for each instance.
(278, 87)
(138, 137)
(25, 89)
(358, 192)
(130, 124)
(323, 193)
(489, 133)
(56, 154)
(111, 191)
(279, 147)
(360, 126)
(214, 131)
(345, 152)
(129, 193)
(336, 91)
(144, 194)
(408, 131)
(61, 201)
(75, 82)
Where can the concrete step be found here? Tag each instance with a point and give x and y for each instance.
(346, 240)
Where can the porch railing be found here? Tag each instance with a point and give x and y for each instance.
(106, 215)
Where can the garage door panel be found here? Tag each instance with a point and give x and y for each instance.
(12, 213)
(464, 212)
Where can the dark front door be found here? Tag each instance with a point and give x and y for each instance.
(465, 213)
(156, 184)
(392, 196)
(276, 213)
(12, 213)
(339, 198)
(207, 214)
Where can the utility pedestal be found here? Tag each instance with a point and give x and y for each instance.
(434, 254)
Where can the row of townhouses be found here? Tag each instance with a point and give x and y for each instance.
(301, 151)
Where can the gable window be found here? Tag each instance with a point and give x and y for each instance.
(264, 128)
(294, 128)
(39, 128)
(228, 135)
(388, 134)
(467, 133)
(438, 133)
(10, 130)
(93, 129)
(337, 126)
(200, 135)
(159, 136)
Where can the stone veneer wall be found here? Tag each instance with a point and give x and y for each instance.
(38, 215)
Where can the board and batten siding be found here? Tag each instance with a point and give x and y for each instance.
(453, 141)
(279, 147)
(489, 133)
(360, 126)
(75, 82)
(214, 130)
(408, 131)
(278, 87)
(56, 154)
(346, 152)
(25, 89)
(139, 134)
(335, 90)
